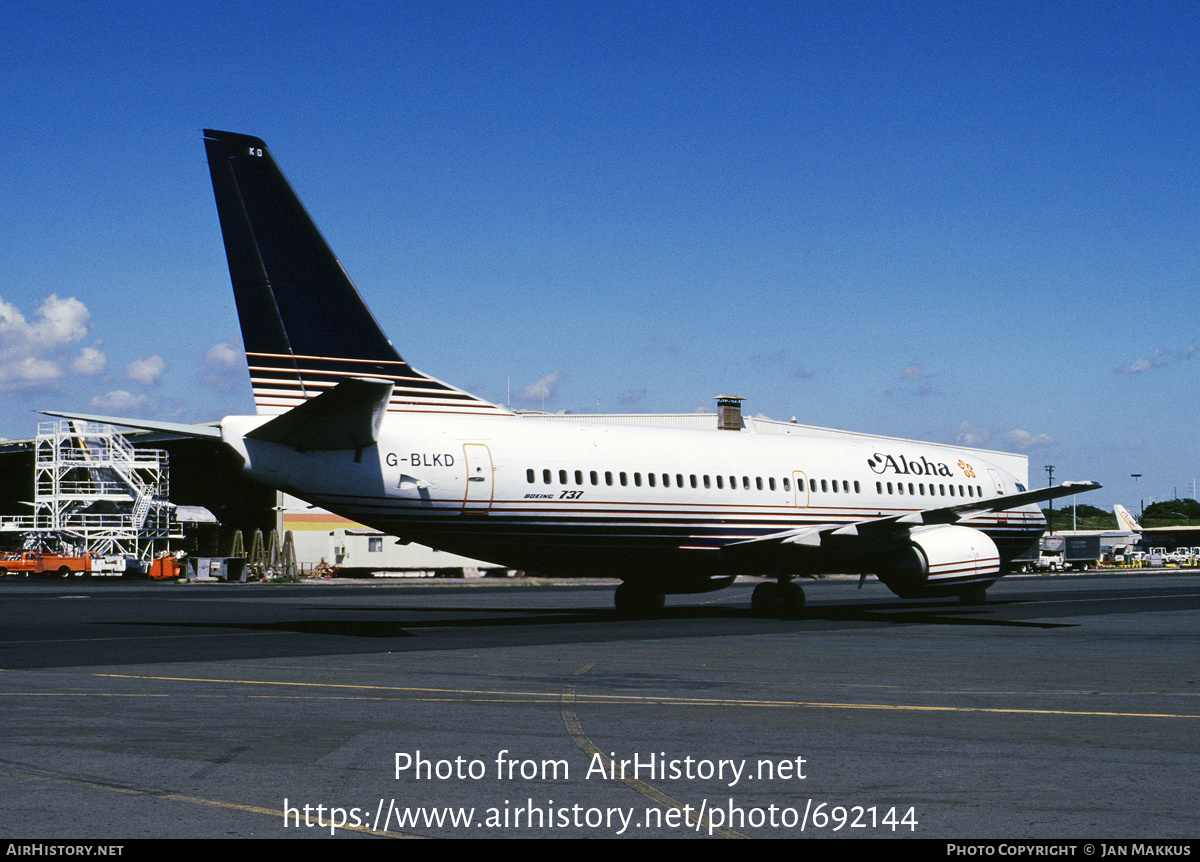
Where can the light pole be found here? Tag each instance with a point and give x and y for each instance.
(1141, 506)
(1050, 473)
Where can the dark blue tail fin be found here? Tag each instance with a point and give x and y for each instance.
(304, 326)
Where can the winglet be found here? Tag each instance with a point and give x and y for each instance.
(348, 416)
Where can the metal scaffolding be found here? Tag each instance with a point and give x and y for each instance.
(94, 492)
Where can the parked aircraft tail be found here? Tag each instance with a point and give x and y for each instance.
(304, 325)
(1125, 520)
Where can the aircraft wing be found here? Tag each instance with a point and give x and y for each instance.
(180, 428)
(813, 534)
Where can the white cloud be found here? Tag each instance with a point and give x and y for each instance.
(1139, 367)
(29, 372)
(90, 362)
(225, 366)
(1023, 440)
(969, 435)
(912, 371)
(540, 390)
(147, 370)
(30, 351)
(226, 355)
(120, 401)
(1158, 358)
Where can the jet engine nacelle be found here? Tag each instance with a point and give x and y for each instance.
(941, 560)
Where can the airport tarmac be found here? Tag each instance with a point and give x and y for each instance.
(1066, 707)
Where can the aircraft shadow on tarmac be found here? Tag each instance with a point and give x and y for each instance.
(407, 621)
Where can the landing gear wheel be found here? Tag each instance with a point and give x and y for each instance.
(785, 600)
(975, 597)
(765, 598)
(636, 600)
(792, 600)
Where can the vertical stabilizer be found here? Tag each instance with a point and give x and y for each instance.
(1125, 520)
(304, 326)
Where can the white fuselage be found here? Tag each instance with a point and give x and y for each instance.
(580, 498)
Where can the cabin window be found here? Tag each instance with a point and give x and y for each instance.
(921, 488)
(721, 482)
(637, 479)
(578, 477)
(878, 487)
(799, 485)
(857, 490)
(666, 480)
(707, 483)
(595, 479)
(900, 487)
(771, 482)
(562, 477)
(546, 476)
(679, 480)
(608, 478)
(529, 475)
(693, 479)
(889, 487)
(624, 479)
(942, 490)
(733, 483)
(650, 476)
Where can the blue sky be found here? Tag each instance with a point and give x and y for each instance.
(961, 222)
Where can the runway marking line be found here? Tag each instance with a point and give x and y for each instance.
(661, 700)
(575, 730)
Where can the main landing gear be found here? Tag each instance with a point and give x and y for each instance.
(781, 598)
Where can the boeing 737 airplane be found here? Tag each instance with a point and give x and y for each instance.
(346, 424)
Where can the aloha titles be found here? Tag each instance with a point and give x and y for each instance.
(902, 466)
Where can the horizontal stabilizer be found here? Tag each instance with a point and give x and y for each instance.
(180, 428)
(348, 416)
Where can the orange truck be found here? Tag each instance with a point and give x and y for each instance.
(36, 563)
